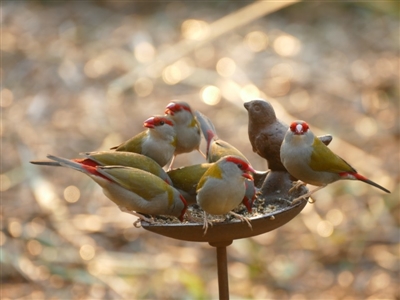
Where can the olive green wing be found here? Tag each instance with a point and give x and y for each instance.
(134, 144)
(323, 159)
(138, 181)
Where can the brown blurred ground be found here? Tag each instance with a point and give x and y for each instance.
(65, 90)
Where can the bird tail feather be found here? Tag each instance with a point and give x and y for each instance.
(46, 163)
(366, 180)
(206, 126)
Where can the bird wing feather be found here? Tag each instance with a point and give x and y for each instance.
(140, 182)
(186, 178)
(134, 144)
(214, 171)
(323, 159)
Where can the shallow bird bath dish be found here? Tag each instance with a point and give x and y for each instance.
(274, 189)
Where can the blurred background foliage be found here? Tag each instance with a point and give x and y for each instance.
(82, 76)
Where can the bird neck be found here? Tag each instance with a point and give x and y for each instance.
(167, 134)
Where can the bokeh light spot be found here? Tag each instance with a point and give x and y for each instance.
(143, 86)
(178, 71)
(96, 67)
(345, 278)
(15, 228)
(210, 95)
(87, 252)
(34, 247)
(144, 52)
(171, 75)
(249, 92)
(195, 29)
(72, 194)
(256, 41)
(335, 216)
(226, 67)
(287, 45)
(282, 70)
(366, 126)
(325, 228)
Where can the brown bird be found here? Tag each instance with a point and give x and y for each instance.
(266, 132)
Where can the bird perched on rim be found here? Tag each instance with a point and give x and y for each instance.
(114, 158)
(135, 191)
(308, 159)
(187, 129)
(157, 142)
(185, 180)
(266, 132)
(218, 148)
(222, 188)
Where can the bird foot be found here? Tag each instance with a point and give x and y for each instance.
(205, 223)
(298, 199)
(306, 195)
(137, 223)
(192, 219)
(201, 152)
(296, 185)
(241, 218)
(171, 163)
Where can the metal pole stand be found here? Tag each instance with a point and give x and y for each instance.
(222, 264)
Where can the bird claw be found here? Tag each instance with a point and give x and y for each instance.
(205, 223)
(242, 218)
(298, 199)
(201, 152)
(141, 217)
(296, 185)
(137, 223)
(307, 195)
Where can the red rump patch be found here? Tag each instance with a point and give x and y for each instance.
(90, 166)
(184, 209)
(352, 175)
(86, 162)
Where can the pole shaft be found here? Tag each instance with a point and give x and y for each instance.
(223, 283)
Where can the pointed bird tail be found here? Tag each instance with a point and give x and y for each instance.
(84, 165)
(206, 126)
(46, 163)
(366, 180)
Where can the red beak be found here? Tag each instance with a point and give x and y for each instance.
(248, 176)
(170, 109)
(149, 123)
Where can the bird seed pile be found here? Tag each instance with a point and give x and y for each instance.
(195, 214)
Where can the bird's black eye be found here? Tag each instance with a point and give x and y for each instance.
(240, 166)
(162, 123)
